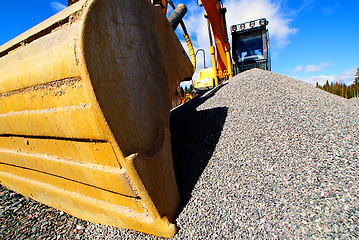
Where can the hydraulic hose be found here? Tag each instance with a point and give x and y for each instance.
(191, 50)
(175, 19)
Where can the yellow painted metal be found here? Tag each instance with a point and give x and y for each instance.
(205, 80)
(190, 50)
(214, 64)
(85, 100)
(215, 17)
(229, 61)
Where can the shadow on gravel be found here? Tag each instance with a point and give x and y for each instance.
(194, 136)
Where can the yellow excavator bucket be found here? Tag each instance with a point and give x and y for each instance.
(85, 100)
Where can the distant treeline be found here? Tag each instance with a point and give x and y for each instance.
(341, 89)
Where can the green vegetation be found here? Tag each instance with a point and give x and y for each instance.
(341, 89)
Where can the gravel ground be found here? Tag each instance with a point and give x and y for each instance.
(24, 218)
(262, 156)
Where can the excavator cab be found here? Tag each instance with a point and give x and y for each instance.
(250, 46)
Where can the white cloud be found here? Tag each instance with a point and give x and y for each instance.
(56, 6)
(321, 79)
(316, 68)
(279, 24)
(303, 5)
(298, 69)
(346, 77)
(330, 8)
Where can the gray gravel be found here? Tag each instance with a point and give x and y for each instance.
(24, 218)
(263, 156)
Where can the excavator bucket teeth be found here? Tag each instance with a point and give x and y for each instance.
(85, 100)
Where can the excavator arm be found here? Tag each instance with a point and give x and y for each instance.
(215, 15)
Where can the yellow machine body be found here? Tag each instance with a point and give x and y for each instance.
(206, 79)
(85, 100)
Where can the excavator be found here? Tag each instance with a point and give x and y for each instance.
(250, 49)
(85, 99)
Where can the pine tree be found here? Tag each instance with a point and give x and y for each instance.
(341, 89)
(356, 82)
(182, 91)
(326, 86)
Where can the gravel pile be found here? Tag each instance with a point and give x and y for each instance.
(24, 218)
(262, 156)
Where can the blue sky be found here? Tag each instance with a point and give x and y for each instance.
(311, 40)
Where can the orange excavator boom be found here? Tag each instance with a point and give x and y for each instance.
(215, 14)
